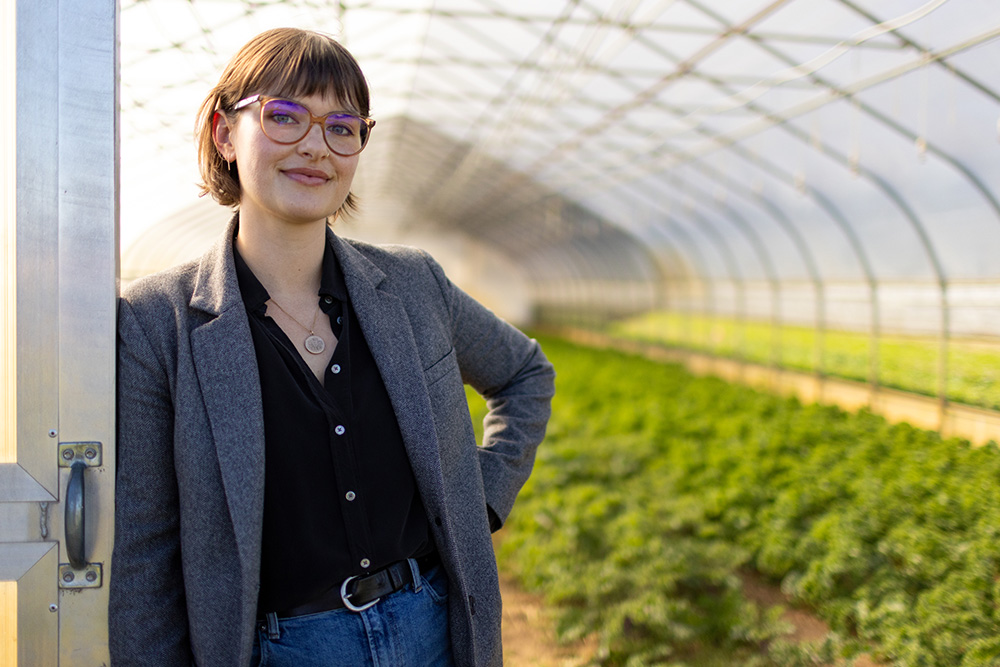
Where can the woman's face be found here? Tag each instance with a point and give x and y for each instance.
(296, 183)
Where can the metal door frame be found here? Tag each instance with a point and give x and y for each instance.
(58, 297)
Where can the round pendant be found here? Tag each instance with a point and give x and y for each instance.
(315, 344)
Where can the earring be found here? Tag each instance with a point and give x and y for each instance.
(229, 166)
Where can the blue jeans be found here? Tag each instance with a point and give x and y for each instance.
(406, 629)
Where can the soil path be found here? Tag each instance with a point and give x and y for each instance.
(529, 636)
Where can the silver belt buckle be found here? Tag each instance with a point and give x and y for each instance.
(345, 597)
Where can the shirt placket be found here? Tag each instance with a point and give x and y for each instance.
(340, 412)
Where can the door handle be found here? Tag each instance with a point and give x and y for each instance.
(78, 573)
(76, 519)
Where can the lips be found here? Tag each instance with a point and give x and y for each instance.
(307, 176)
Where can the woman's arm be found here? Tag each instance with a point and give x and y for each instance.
(511, 372)
(147, 615)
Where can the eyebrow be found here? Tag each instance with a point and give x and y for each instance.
(342, 112)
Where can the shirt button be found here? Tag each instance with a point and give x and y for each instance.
(335, 368)
(365, 563)
(338, 319)
(350, 495)
(340, 430)
(327, 299)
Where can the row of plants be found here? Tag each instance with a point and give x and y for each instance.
(910, 363)
(655, 490)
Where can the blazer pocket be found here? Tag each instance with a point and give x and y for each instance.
(440, 368)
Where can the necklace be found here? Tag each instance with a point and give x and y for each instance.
(313, 343)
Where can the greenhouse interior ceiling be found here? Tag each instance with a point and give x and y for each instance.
(832, 163)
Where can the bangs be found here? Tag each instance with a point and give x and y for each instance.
(307, 64)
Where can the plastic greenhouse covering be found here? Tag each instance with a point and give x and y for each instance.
(830, 165)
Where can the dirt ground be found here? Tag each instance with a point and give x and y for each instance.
(529, 637)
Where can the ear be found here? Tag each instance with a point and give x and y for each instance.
(222, 136)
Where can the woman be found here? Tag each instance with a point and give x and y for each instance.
(298, 479)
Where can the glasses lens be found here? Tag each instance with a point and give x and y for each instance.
(345, 134)
(284, 121)
(287, 122)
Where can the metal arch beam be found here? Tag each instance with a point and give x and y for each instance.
(662, 231)
(777, 119)
(797, 239)
(717, 240)
(818, 284)
(773, 119)
(781, 121)
(737, 220)
(918, 227)
(932, 147)
(876, 312)
(879, 182)
(824, 202)
(423, 47)
(639, 99)
(583, 265)
(445, 62)
(781, 218)
(670, 29)
(669, 56)
(908, 214)
(685, 237)
(777, 214)
(473, 157)
(684, 67)
(496, 219)
(763, 256)
(732, 267)
(983, 88)
(842, 223)
(558, 208)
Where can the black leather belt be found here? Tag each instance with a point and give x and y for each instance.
(360, 592)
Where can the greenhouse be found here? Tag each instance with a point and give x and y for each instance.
(758, 242)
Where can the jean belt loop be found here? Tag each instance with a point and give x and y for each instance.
(418, 582)
(273, 631)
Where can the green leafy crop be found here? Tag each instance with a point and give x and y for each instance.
(910, 363)
(655, 489)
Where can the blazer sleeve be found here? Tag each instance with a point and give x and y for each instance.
(148, 622)
(512, 373)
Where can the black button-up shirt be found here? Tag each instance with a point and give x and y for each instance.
(340, 497)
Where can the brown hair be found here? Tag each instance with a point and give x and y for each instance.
(287, 62)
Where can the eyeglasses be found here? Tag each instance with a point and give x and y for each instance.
(285, 122)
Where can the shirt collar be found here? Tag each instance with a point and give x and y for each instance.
(332, 281)
(253, 293)
(255, 296)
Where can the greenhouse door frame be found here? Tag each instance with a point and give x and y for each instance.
(59, 246)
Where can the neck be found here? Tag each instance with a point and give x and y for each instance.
(288, 261)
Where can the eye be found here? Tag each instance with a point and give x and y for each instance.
(283, 112)
(281, 118)
(343, 126)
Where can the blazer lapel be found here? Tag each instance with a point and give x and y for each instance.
(387, 330)
(226, 366)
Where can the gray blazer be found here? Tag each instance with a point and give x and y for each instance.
(190, 493)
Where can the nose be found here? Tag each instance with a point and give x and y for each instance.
(314, 143)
